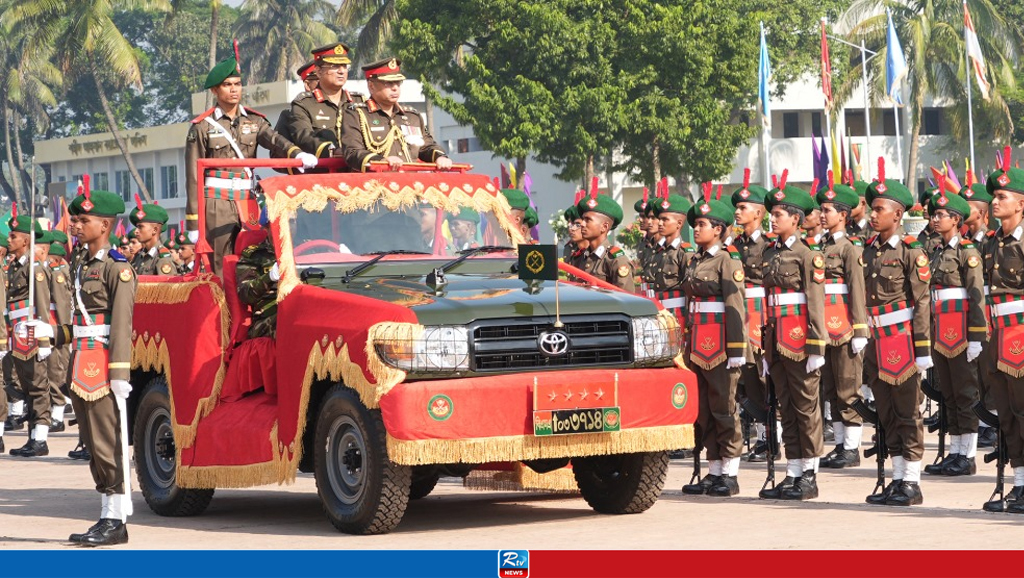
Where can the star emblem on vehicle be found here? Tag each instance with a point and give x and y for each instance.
(568, 395)
(584, 394)
(599, 394)
(552, 396)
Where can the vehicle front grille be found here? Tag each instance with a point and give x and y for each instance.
(594, 340)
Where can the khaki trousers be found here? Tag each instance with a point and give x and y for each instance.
(1008, 394)
(717, 416)
(32, 376)
(799, 406)
(99, 424)
(841, 378)
(957, 381)
(222, 227)
(899, 410)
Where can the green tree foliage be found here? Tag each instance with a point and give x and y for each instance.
(277, 36)
(372, 23)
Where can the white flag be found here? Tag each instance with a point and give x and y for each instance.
(974, 52)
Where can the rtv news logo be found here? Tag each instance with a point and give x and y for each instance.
(513, 564)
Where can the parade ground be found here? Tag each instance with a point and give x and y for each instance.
(43, 500)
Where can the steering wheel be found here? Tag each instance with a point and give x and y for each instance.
(309, 246)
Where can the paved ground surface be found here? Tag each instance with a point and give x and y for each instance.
(43, 500)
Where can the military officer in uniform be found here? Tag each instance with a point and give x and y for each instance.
(518, 204)
(228, 131)
(5, 406)
(897, 275)
(576, 244)
(134, 245)
(959, 328)
(795, 343)
(105, 286)
(811, 227)
(600, 215)
(380, 129)
(652, 225)
(645, 250)
(717, 344)
(845, 321)
(153, 258)
(258, 274)
(316, 116)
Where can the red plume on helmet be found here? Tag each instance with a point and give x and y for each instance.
(14, 211)
(746, 178)
(138, 201)
(881, 170)
(814, 184)
(707, 192)
(831, 181)
(849, 177)
(775, 181)
(782, 179)
(1006, 158)
(718, 197)
(942, 186)
(238, 59)
(593, 188)
(645, 196)
(969, 179)
(664, 187)
(85, 183)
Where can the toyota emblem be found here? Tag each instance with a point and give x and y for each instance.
(553, 343)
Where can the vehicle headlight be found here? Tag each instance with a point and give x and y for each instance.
(442, 348)
(654, 339)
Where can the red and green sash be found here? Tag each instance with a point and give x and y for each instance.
(891, 326)
(236, 187)
(789, 322)
(90, 370)
(1008, 321)
(707, 331)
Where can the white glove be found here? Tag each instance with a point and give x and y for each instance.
(924, 363)
(193, 237)
(43, 353)
(308, 161)
(120, 388)
(973, 350)
(3, 354)
(734, 362)
(857, 344)
(274, 273)
(42, 329)
(764, 367)
(815, 362)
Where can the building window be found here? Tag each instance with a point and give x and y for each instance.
(790, 125)
(816, 124)
(147, 178)
(76, 178)
(169, 182)
(932, 121)
(855, 123)
(888, 123)
(101, 181)
(123, 184)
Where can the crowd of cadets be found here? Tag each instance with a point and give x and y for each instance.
(835, 310)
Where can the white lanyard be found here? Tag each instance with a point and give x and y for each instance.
(231, 141)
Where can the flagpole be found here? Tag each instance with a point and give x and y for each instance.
(866, 170)
(827, 130)
(967, 74)
(765, 136)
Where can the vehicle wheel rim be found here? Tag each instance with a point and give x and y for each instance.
(346, 460)
(160, 443)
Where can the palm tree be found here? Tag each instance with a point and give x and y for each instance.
(177, 5)
(375, 20)
(278, 35)
(932, 35)
(85, 40)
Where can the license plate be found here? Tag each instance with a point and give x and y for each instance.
(576, 421)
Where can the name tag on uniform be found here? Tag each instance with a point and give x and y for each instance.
(320, 117)
(378, 128)
(215, 134)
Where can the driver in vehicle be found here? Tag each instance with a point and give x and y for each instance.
(463, 227)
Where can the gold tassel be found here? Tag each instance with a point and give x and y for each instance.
(950, 353)
(707, 365)
(522, 479)
(90, 395)
(527, 447)
(795, 356)
(899, 379)
(1011, 371)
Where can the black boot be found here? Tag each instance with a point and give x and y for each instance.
(806, 488)
(828, 432)
(725, 486)
(107, 533)
(14, 422)
(700, 487)
(845, 459)
(56, 426)
(936, 468)
(78, 537)
(759, 453)
(1, 445)
(986, 437)
(80, 452)
(960, 466)
(879, 499)
(776, 492)
(32, 449)
(832, 454)
(908, 494)
(1001, 505)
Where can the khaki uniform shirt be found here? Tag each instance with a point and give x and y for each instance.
(843, 260)
(644, 255)
(17, 289)
(751, 249)
(719, 273)
(256, 289)
(60, 291)
(929, 239)
(314, 122)
(791, 265)
(370, 134)
(897, 270)
(958, 264)
(249, 131)
(1004, 261)
(860, 227)
(668, 264)
(608, 264)
(155, 261)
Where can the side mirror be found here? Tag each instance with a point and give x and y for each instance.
(312, 276)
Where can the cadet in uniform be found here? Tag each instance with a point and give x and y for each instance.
(30, 355)
(751, 243)
(899, 307)
(6, 411)
(858, 225)
(646, 248)
(672, 254)
(576, 244)
(316, 116)
(959, 328)
(717, 344)
(652, 225)
(380, 129)
(928, 237)
(518, 204)
(600, 215)
(59, 276)
(845, 321)
(229, 131)
(153, 258)
(811, 225)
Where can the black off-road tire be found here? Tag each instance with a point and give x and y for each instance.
(155, 461)
(362, 491)
(622, 483)
(423, 481)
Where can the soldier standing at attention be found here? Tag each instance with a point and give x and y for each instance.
(646, 248)
(928, 237)
(187, 254)
(795, 345)
(380, 129)
(899, 313)
(959, 328)
(5, 410)
(60, 313)
(316, 116)
(845, 321)
(601, 214)
(576, 245)
(153, 258)
(228, 131)
(751, 243)
(105, 287)
(714, 286)
(672, 254)
(652, 225)
(858, 225)
(811, 226)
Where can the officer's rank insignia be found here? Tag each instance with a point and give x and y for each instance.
(924, 273)
(40, 277)
(624, 271)
(165, 269)
(922, 261)
(818, 276)
(738, 276)
(973, 261)
(125, 275)
(819, 262)
(60, 277)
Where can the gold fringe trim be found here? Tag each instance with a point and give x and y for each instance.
(900, 379)
(199, 477)
(790, 354)
(841, 341)
(707, 365)
(527, 447)
(1011, 371)
(950, 353)
(90, 395)
(522, 479)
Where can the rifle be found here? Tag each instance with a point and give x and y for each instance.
(771, 443)
(695, 477)
(942, 425)
(999, 455)
(880, 450)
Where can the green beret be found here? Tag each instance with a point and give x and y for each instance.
(713, 209)
(466, 214)
(601, 204)
(1011, 180)
(44, 237)
(148, 213)
(58, 250)
(3, 241)
(571, 214)
(977, 192)
(24, 224)
(224, 70)
(892, 190)
(182, 239)
(840, 194)
(639, 206)
(861, 187)
(750, 194)
(791, 196)
(531, 219)
(926, 196)
(117, 241)
(99, 203)
(59, 236)
(170, 244)
(675, 203)
(951, 202)
(649, 210)
(516, 199)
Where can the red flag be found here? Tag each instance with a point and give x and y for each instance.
(826, 69)
(64, 222)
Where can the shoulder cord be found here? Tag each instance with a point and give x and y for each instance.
(382, 147)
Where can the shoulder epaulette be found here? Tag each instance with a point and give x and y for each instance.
(54, 266)
(355, 105)
(256, 112)
(911, 242)
(688, 248)
(117, 256)
(302, 95)
(248, 251)
(164, 253)
(615, 252)
(734, 252)
(200, 118)
(966, 243)
(355, 96)
(857, 241)
(991, 233)
(409, 110)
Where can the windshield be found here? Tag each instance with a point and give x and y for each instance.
(332, 235)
